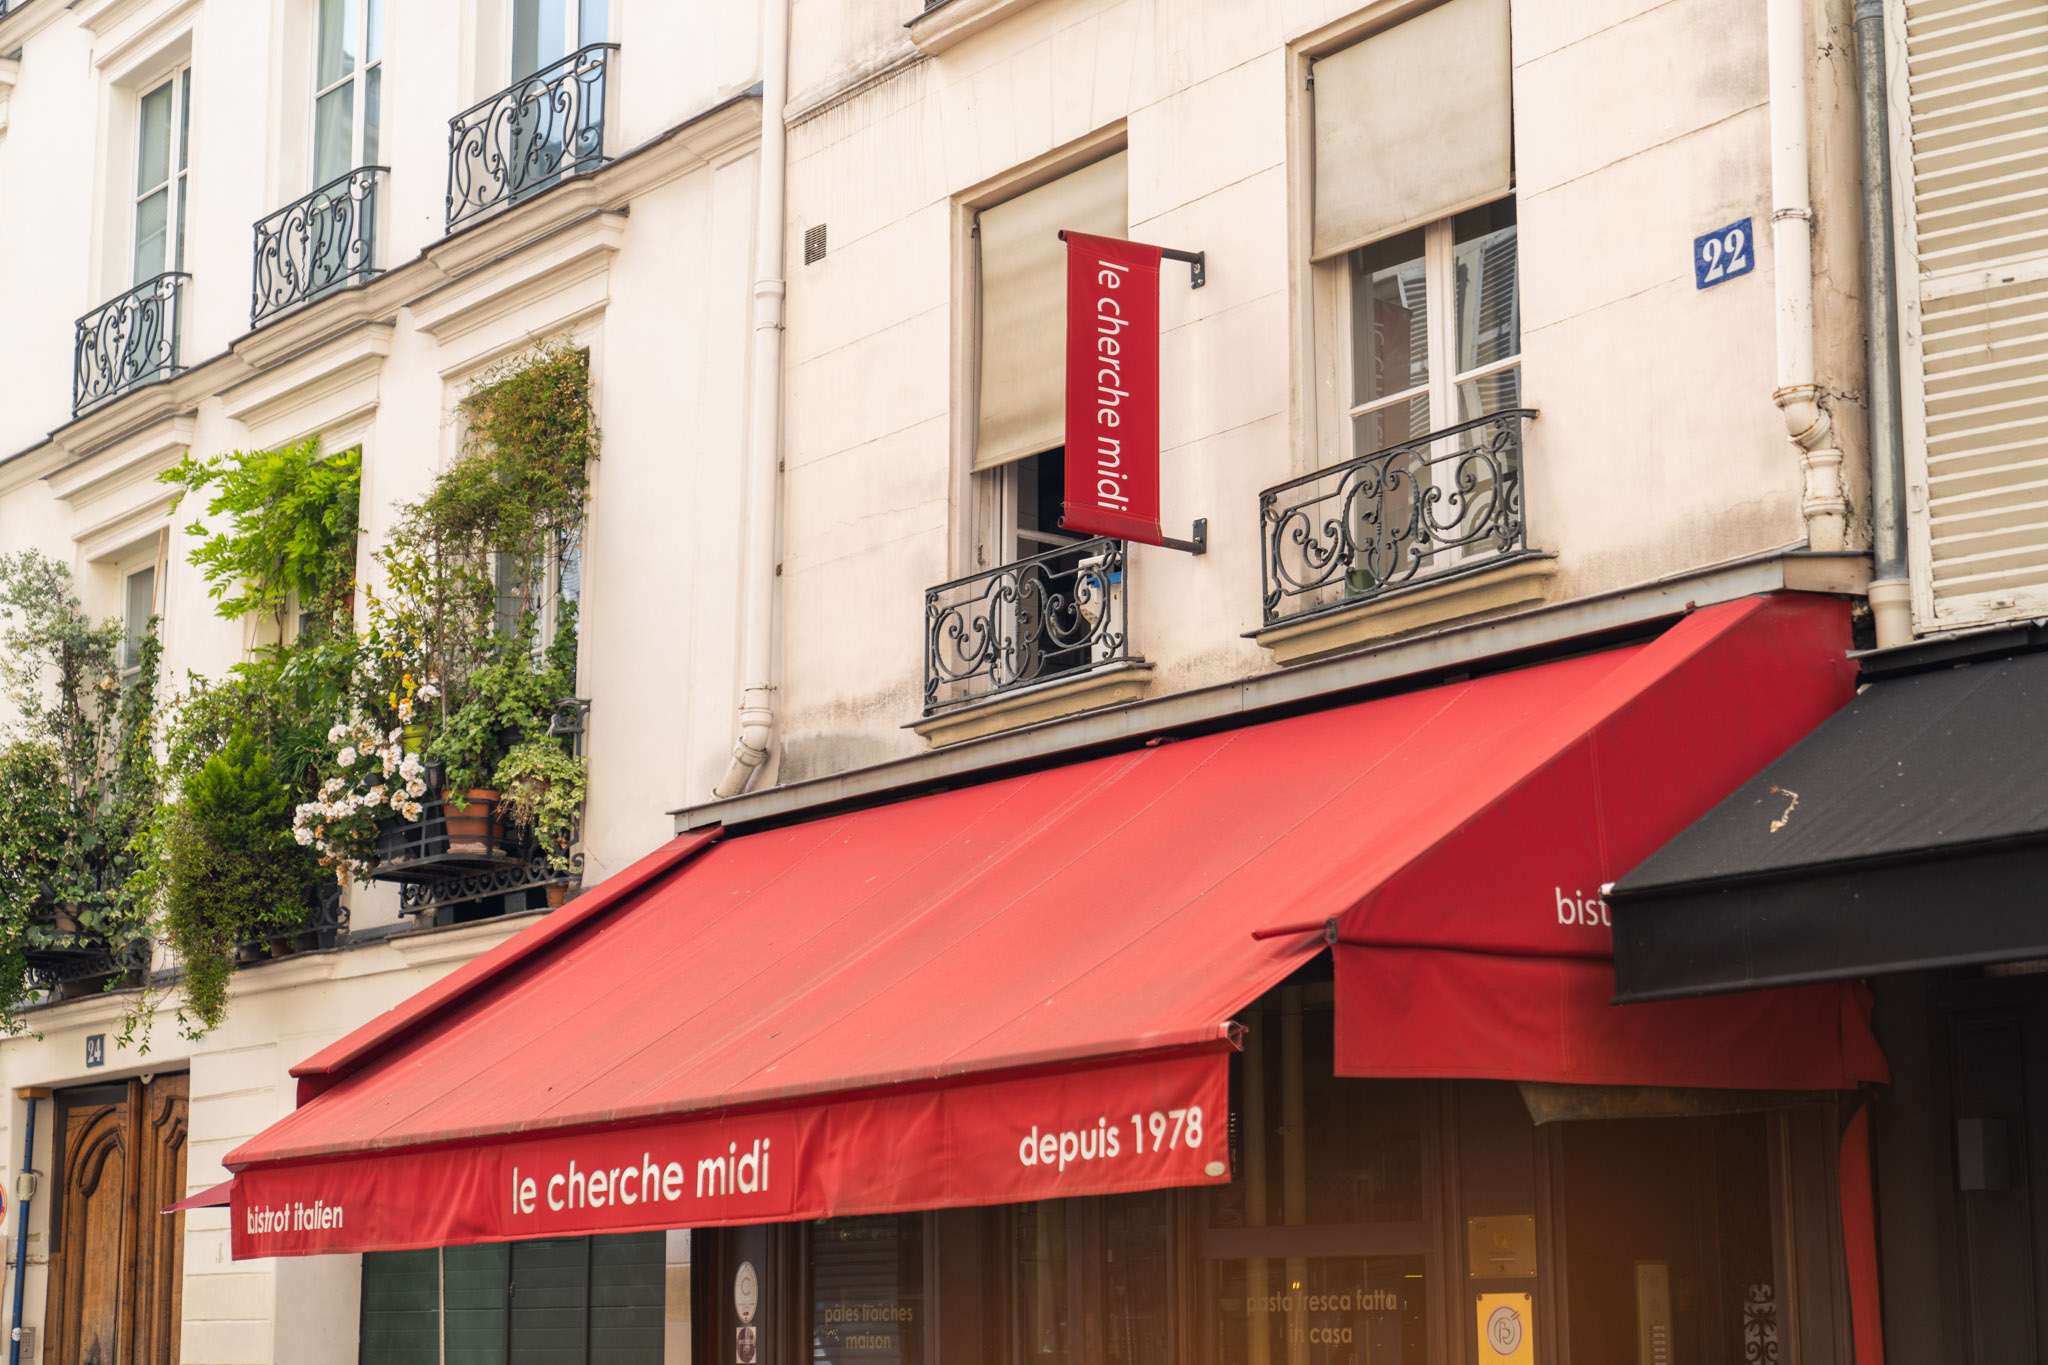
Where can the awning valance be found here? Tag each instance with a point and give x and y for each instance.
(1025, 989)
(1908, 832)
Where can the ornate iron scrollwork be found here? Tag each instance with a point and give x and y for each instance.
(1053, 614)
(1430, 506)
(127, 342)
(529, 136)
(317, 243)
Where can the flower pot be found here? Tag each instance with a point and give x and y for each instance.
(558, 895)
(472, 828)
(414, 737)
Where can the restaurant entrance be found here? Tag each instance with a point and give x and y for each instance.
(1368, 1222)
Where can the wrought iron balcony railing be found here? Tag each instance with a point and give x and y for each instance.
(317, 244)
(530, 136)
(1053, 615)
(126, 342)
(1434, 505)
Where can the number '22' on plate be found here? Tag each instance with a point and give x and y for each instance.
(1723, 254)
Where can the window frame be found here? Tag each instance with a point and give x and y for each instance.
(355, 21)
(134, 634)
(574, 38)
(1440, 291)
(177, 169)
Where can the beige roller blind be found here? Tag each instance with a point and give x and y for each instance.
(1412, 124)
(1024, 306)
(1977, 91)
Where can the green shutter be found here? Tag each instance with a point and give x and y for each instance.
(401, 1308)
(628, 1298)
(477, 1284)
(551, 1302)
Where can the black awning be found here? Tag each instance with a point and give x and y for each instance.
(1909, 831)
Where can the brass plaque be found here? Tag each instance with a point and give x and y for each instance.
(1503, 1245)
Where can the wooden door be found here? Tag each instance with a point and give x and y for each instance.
(117, 1261)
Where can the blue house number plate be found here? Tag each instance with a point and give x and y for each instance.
(1723, 254)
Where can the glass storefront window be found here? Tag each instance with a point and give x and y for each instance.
(1093, 1281)
(867, 1290)
(1312, 1149)
(1330, 1310)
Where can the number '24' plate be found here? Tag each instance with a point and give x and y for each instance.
(1723, 254)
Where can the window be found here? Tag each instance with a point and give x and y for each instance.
(1319, 1250)
(545, 31)
(138, 612)
(162, 152)
(1435, 327)
(867, 1290)
(348, 86)
(1413, 226)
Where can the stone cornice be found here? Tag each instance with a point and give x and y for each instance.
(954, 21)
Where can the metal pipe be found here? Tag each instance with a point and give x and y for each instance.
(28, 1162)
(1890, 590)
(1797, 395)
(756, 737)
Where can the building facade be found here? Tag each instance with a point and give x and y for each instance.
(1518, 399)
(431, 192)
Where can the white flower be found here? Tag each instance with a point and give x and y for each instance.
(397, 733)
(405, 713)
(335, 733)
(428, 691)
(347, 756)
(416, 787)
(303, 836)
(374, 796)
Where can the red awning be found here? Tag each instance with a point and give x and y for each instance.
(1024, 989)
(212, 1197)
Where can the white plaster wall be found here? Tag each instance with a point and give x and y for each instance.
(1638, 125)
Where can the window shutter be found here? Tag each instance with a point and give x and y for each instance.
(628, 1298)
(550, 1316)
(401, 1312)
(474, 1299)
(1413, 124)
(1024, 306)
(1977, 87)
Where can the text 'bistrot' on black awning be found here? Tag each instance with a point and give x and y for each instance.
(1909, 831)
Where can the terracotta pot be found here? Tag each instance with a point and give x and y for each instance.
(471, 828)
(558, 895)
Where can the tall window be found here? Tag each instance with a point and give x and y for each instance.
(138, 607)
(349, 76)
(545, 31)
(1018, 463)
(162, 153)
(1436, 333)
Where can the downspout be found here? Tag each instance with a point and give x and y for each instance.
(756, 736)
(1797, 395)
(28, 1165)
(1890, 589)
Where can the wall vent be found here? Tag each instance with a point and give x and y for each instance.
(814, 244)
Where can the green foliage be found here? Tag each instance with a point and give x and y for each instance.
(79, 780)
(494, 521)
(511, 698)
(235, 873)
(285, 527)
(544, 786)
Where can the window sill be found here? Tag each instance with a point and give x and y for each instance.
(1113, 685)
(1524, 578)
(953, 21)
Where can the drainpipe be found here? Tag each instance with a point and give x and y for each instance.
(756, 736)
(1797, 395)
(28, 1163)
(1890, 591)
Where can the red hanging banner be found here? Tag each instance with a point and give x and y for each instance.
(1112, 460)
(1141, 1124)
